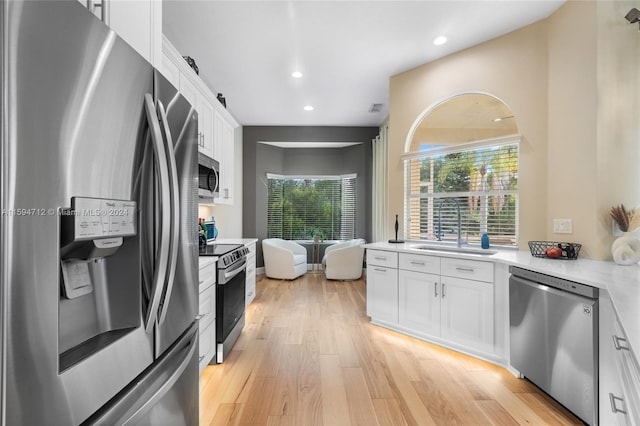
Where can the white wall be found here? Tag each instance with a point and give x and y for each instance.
(573, 83)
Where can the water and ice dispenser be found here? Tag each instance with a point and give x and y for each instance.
(100, 277)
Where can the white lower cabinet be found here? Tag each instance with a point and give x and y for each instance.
(250, 286)
(382, 293)
(382, 285)
(467, 313)
(207, 312)
(619, 376)
(420, 301)
(448, 300)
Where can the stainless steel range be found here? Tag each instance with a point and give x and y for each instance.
(230, 293)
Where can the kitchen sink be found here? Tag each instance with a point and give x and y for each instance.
(461, 250)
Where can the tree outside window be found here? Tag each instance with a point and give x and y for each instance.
(301, 207)
(483, 181)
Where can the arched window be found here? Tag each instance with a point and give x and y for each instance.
(461, 172)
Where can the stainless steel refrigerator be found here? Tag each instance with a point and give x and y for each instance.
(98, 231)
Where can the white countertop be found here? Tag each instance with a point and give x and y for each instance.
(206, 260)
(621, 282)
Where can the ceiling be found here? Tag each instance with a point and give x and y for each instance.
(346, 50)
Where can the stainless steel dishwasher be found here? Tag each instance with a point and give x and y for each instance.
(554, 338)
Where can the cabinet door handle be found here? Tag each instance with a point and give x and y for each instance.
(380, 270)
(417, 263)
(201, 358)
(104, 9)
(199, 317)
(443, 284)
(616, 343)
(435, 289)
(462, 269)
(380, 258)
(614, 408)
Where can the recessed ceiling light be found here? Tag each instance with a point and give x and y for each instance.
(439, 40)
(308, 108)
(296, 74)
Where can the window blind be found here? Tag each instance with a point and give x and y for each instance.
(301, 206)
(479, 183)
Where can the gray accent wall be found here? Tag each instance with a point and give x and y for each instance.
(260, 159)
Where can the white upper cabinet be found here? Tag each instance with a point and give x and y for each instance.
(138, 22)
(225, 154)
(216, 127)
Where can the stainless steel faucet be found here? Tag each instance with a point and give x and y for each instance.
(442, 201)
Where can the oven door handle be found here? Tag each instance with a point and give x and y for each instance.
(230, 273)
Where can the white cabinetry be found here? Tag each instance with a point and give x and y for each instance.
(216, 127)
(382, 285)
(205, 114)
(224, 149)
(619, 393)
(207, 311)
(436, 301)
(446, 300)
(467, 303)
(420, 301)
(138, 22)
(250, 292)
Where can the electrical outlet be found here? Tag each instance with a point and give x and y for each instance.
(562, 226)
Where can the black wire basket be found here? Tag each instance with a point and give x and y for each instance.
(569, 250)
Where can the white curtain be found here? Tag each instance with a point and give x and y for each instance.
(380, 202)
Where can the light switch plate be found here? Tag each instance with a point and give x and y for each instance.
(562, 226)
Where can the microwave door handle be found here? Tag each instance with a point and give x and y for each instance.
(175, 212)
(217, 187)
(209, 186)
(160, 272)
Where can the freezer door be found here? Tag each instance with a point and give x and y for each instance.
(166, 394)
(179, 123)
(73, 124)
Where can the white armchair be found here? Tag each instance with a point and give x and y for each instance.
(343, 261)
(285, 260)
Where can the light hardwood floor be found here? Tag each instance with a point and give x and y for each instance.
(309, 356)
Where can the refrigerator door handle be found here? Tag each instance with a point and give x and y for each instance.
(161, 391)
(160, 272)
(175, 212)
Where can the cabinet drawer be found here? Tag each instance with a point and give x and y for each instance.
(207, 276)
(419, 263)
(207, 344)
(387, 259)
(207, 307)
(251, 266)
(628, 374)
(468, 269)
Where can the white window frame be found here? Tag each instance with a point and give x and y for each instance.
(449, 149)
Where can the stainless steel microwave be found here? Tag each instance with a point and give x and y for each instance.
(208, 179)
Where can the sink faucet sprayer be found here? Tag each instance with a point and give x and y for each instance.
(442, 201)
